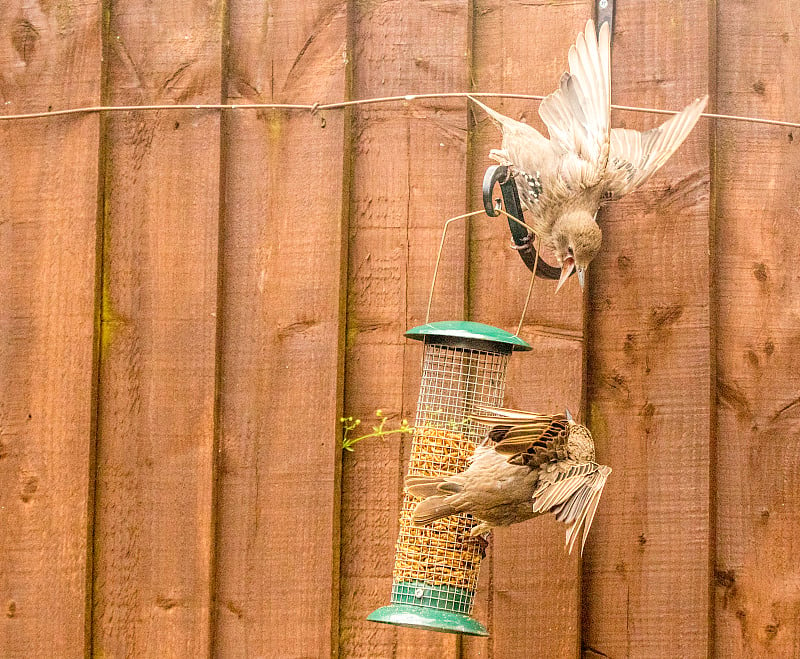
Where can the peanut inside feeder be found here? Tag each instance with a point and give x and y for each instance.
(436, 566)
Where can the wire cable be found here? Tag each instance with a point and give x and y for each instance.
(316, 107)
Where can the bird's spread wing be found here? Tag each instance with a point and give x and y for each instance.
(635, 156)
(572, 496)
(577, 114)
(528, 439)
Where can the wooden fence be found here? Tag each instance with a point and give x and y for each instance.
(189, 301)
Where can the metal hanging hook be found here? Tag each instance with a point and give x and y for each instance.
(605, 14)
(520, 234)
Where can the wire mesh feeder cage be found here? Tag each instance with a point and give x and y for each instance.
(436, 566)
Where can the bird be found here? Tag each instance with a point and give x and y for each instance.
(528, 465)
(563, 180)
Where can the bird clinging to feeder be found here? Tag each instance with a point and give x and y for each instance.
(563, 180)
(530, 464)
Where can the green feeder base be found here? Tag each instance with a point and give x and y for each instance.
(425, 617)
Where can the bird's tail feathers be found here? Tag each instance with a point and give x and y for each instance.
(500, 119)
(430, 510)
(424, 486)
(494, 414)
(429, 486)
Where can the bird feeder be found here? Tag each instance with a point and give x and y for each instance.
(436, 566)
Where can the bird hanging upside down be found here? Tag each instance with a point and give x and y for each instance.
(563, 180)
(528, 465)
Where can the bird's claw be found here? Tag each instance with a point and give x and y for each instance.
(480, 530)
(524, 244)
(500, 156)
(480, 539)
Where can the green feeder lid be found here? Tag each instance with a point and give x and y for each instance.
(423, 617)
(464, 333)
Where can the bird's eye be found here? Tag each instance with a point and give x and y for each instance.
(570, 251)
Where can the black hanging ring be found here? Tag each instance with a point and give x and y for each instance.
(521, 237)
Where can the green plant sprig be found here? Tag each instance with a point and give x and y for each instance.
(349, 424)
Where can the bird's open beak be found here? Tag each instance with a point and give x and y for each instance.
(566, 270)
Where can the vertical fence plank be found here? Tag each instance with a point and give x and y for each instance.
(646, 573)
(153, 543)
(758, 485)
(49, 58)
(408, 178)
(528, 563)
(282, 265)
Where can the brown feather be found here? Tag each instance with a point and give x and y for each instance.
(430, 486)
(423, 487)
(423, 480)
(533, 444)
(449, 487)
(423, 490)
(430, 510)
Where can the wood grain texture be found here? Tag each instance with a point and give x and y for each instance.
(216, 319)
(646, 569)
(529, 565)
(758, 342)
(155, 452)
(407, 179)
(49, 57)
(280, 352)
